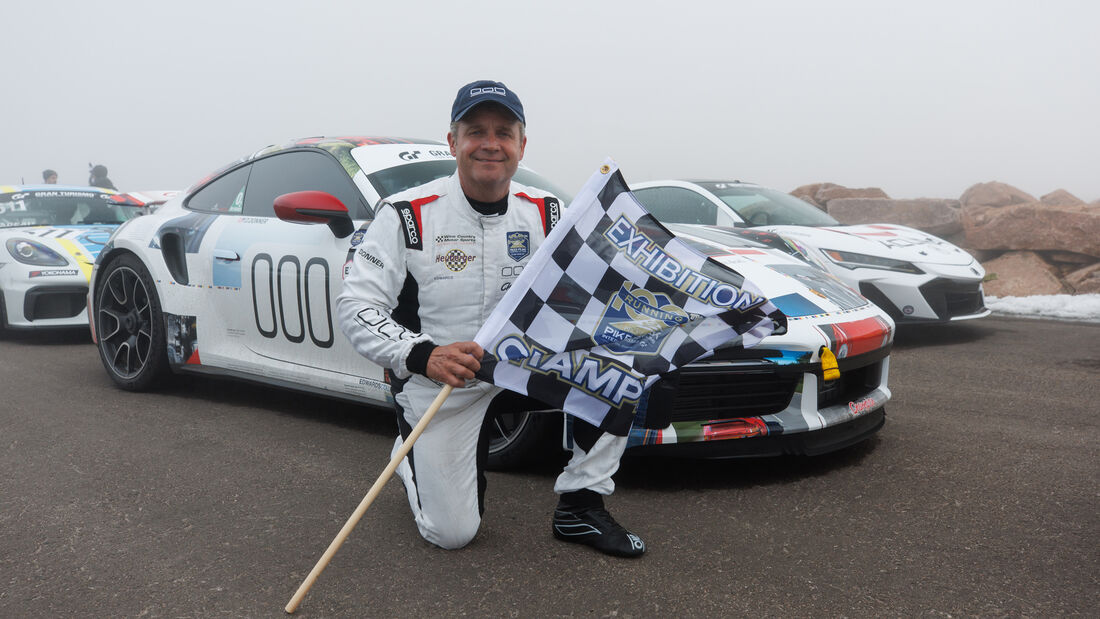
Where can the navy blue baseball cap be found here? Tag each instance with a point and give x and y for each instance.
(485, 91)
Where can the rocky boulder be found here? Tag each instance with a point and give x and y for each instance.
(994, 194)
(1086, 280)
(1045, 246)
(1021, 274)
(935, 216)
(1033, 227)
(1061, 197)
(807, 192)
(826, 195)
(1068, 257)
(821, 194)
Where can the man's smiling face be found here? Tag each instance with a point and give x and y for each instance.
(488, 145)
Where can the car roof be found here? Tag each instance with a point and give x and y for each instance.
(719, 180)
(701, 182)
(339, 146)
(345, 141)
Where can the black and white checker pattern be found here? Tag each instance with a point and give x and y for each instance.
(558, 301)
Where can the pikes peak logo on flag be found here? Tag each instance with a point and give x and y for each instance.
(638, 321)
(609, 302)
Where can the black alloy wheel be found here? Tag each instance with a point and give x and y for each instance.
(129, 325)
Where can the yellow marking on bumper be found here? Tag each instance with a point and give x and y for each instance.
(83, 260)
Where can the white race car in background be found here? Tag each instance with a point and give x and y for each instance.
(225, 279)
(914, 276)
(51, 235)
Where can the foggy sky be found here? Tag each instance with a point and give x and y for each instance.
(922, 99)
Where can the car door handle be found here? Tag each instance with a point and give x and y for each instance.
(225, 254)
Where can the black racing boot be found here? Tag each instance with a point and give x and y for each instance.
(580, 518)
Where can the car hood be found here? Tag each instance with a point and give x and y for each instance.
(885, 240)
(820, 309)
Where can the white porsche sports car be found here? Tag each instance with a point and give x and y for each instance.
(914, 276)
(238, 275)
(51, 236)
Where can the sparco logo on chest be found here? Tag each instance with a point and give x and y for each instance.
(410, 226)
(455, 259)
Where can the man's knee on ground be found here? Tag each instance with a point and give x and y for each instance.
(454, 536)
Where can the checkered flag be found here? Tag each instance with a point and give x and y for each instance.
(609, 302)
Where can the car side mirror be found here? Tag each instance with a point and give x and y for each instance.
(315, 207)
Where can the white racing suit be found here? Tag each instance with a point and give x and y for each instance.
(431, 268)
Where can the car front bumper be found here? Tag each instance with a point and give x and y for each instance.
(42, 298)
(784, 410)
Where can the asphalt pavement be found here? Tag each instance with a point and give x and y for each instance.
(215, 498)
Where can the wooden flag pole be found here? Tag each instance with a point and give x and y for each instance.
(402, 451)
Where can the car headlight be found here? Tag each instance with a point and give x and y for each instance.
(851, 260)
(33, 252)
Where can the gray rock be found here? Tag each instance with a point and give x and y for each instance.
(1068, 257)
(1021, 274)
(1086, 280)
(825, 195)
(1033, 226)
(1061, 197)
(807, 192)
(994, 194)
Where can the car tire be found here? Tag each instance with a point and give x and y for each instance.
(519, 439)
(3, 315)
(129, 325)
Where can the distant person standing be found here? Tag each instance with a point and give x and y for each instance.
(99, 178)
(49, 177)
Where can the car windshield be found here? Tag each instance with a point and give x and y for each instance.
(399, 178)
(766, 207)
(727, 237)
(739, 237)
(61, 208)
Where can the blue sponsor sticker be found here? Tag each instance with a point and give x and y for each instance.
(519, 245)
(357, 237)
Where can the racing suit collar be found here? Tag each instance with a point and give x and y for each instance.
(455, 187)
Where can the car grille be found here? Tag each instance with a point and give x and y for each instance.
(949, 299)
(713, 393)
(717, 392)
(853, 384)
(54, 302)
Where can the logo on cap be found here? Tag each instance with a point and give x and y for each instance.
(484, 91)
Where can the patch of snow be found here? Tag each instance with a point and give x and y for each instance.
(1085, 307)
